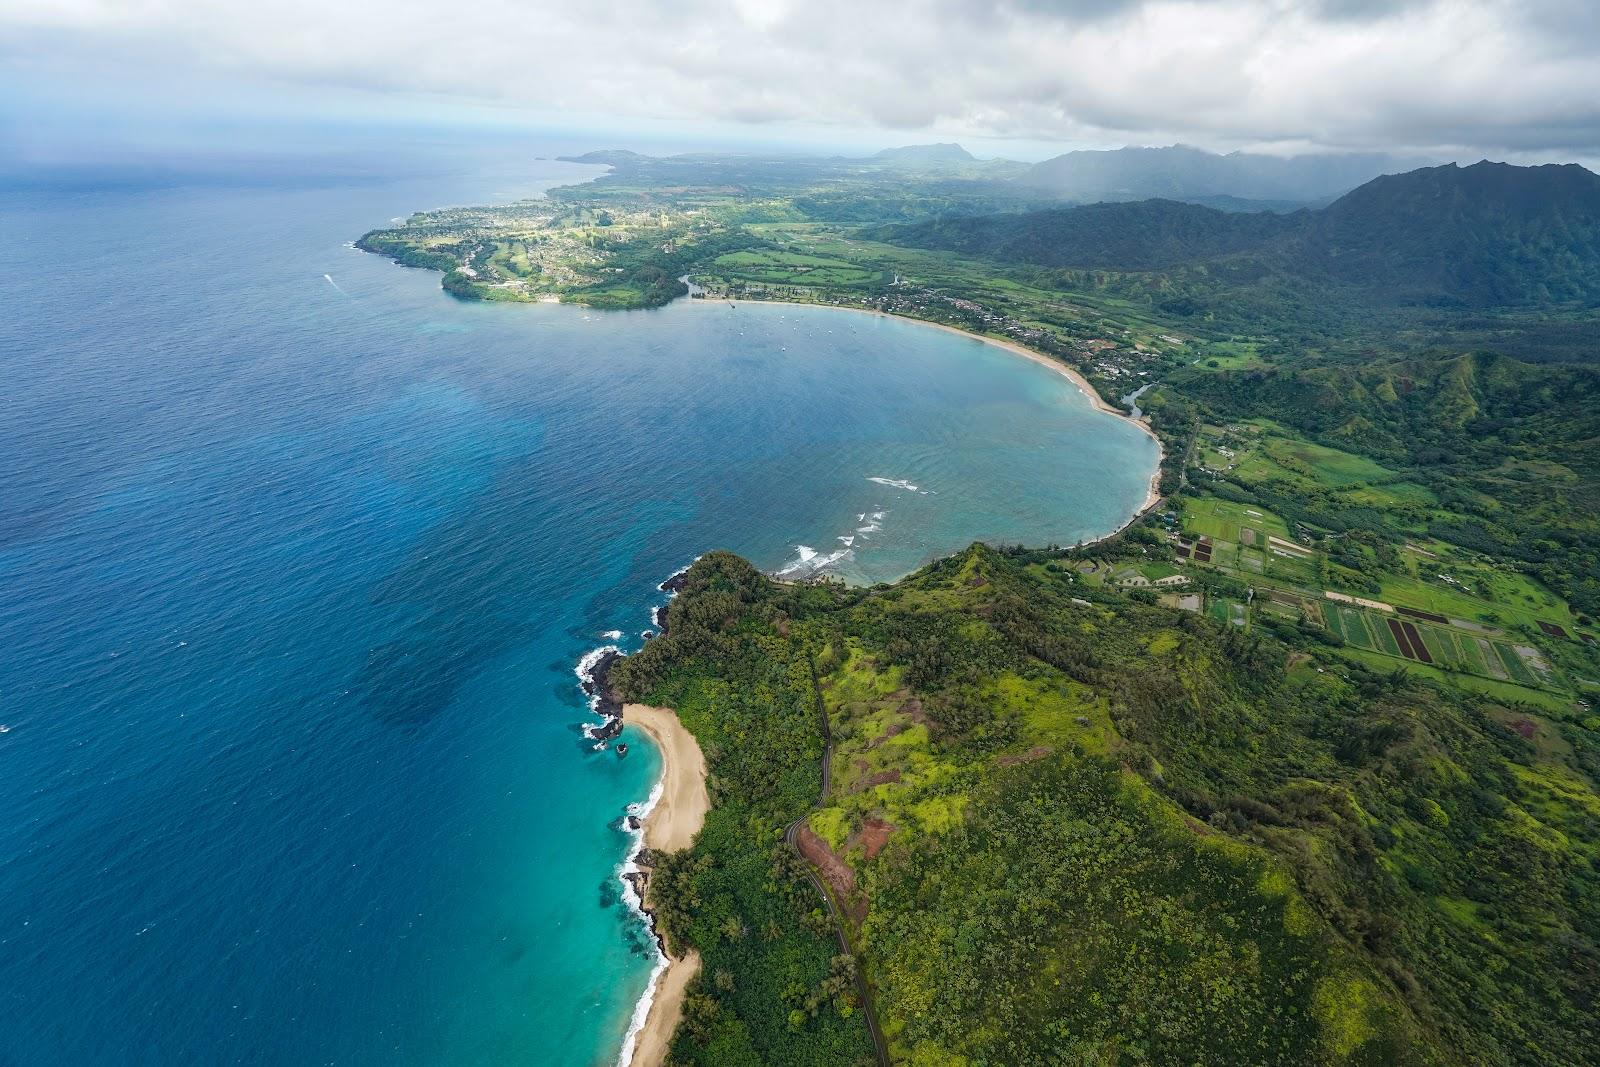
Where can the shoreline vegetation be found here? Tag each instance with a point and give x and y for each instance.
(1262, 766)
(679, 812)
(670, 826)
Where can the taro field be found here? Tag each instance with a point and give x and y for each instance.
(1438, 646)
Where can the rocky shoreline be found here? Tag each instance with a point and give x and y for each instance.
(667, 820)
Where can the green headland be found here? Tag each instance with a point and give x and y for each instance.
(1299, 768)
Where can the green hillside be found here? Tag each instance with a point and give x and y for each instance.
(1146, 235)
(1510, 449)
(1068, 825)
(1486, 236)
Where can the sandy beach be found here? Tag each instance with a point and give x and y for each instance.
(1152, 495)
(671, 825)
(1153, 492)
(681, 811)
(650, 1046)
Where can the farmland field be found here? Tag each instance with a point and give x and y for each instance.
(1386, 642)
(1510, 597)
(1515, 665)
(1357, 632)
(1327, 466)
(1222, 519)
(792, 268)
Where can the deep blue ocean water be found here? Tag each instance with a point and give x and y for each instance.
(297, 554)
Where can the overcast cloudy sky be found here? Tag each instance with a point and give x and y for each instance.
(1507, 78)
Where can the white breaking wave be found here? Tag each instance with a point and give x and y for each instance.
(899, 483)
(641, 1010)
(591, 659)
(847, 540)
(334, 283)
(808, 562)
(870, 527)
(612, 635)
(585, 672)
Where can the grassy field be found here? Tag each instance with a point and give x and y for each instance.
(1326, 466)
(1502, 598)
(793, 268)
(1551, 702)
(1223, 519)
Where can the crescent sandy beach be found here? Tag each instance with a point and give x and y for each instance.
(671, 825)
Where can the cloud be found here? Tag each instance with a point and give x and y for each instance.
(1478, 74)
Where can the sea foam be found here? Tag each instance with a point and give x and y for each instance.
(630, 897)
(808, 562)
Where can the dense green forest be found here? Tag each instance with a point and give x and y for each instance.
(1511, 449)
(1479, 237)
(1138, 236)
(1080, 827)
(1330, 798)
(773, 987)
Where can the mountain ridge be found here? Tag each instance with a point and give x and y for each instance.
(1181, 172)
(1486, 235)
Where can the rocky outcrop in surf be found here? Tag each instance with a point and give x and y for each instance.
(593, 672)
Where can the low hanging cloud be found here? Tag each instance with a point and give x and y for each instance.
(1497, 75)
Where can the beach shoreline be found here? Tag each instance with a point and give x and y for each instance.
(681, 811)
(679, 808)
(1152, 495)
(670, 824)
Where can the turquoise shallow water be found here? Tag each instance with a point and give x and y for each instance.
(297, 555)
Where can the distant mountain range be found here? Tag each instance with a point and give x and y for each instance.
(1237, 182)
(920, 155)
(1488, 235)
(1179, 172)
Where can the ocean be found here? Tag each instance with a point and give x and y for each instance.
(297, 556)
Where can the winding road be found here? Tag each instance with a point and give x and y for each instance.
(879, 1044)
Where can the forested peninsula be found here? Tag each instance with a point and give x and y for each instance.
(1301, 767)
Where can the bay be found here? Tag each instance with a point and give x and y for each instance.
(297, 554)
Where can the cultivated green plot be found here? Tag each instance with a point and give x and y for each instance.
(1328, 466)
(1472, 655)
(1515, 667)
(1292, 568)
(1330, 617)
(1356, 629)
(1386, 641)
(1440, 645)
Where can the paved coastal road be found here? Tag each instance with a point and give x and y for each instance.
(879, 1045)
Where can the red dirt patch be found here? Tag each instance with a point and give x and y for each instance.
(1400, 638)
(1035, 753)
(872, 836)
(881, 778)
(894, 728)
(1524, 727)
(835, 871)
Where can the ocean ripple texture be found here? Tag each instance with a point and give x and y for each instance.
(297, 554)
